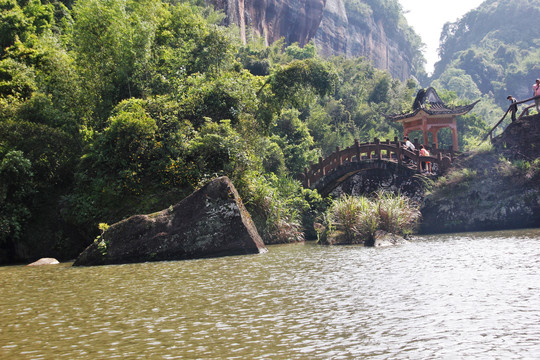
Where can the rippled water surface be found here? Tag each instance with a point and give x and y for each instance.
(457, 296)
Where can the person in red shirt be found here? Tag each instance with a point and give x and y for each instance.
(536, 92)
(426, 166)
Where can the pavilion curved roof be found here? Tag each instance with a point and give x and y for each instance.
(429, 102)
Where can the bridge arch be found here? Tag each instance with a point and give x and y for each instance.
(388, 159)
(389, 173)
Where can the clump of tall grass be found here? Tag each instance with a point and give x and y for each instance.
(347, 214)
(397, 214)
(355, 219)
(519, 170)
(275, 205)
(457, 176)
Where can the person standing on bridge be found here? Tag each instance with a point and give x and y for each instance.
(513, 106)
(536, 92)
(425, 165)
(408, 144)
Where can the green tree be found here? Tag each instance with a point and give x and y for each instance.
(219, 150)
(112, 40)
(459, 81)
(16, 187)
(380, 91)
(52, 152)
(17, 80)
(292, 85)
(124, 151)
(185, 44)
(41, 15)
(222, 97)
(292, 136)
(308, 51)
(45, 173)
(13, 24)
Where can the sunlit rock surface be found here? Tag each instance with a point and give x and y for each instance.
(44, 261)
(210, 222)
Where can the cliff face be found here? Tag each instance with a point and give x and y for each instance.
(294, 20)
(326, 22)
(338, 34)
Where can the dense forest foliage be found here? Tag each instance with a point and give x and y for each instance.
(110, 108)
(491, 52)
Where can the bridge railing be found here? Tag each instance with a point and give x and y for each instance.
(385, 150)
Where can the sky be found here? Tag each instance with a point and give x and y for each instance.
(427, 17)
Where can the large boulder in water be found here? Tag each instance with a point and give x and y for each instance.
(210, 222)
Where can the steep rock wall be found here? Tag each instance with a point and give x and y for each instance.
(294, 20)
(323, 21)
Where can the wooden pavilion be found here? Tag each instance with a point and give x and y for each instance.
(430, 115)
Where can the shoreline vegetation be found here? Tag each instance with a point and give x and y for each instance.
(356, 219)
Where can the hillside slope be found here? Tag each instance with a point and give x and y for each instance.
(493, 50)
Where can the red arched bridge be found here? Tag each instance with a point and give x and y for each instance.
(383, 156)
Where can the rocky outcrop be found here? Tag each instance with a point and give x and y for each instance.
(493, 190)
(384, 239)
(484, 200)
(210, 222)
(327, 23)
(338, 236)
(296, 21)
(384, 175)
(521, 138)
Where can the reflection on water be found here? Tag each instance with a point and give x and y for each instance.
(451, 296)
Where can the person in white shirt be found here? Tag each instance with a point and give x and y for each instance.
(408, 144)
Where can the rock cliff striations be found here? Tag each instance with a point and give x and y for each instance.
(333, 29)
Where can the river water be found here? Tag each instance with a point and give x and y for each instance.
(459, 296)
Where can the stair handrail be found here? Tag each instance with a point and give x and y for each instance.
(490, 133)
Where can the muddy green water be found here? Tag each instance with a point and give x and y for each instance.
(459, 296)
